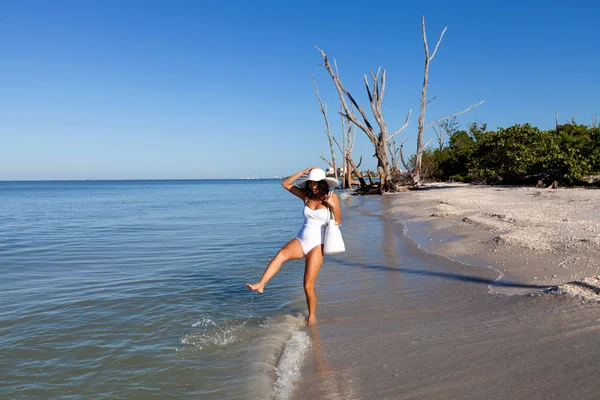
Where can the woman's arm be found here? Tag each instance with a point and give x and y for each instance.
(334, 202)
(288, 183)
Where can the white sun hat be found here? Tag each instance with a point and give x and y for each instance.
(317, 174)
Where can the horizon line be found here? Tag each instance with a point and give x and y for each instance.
(139, 179)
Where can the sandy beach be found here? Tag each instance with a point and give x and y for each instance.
(461, 292)
(534, 236)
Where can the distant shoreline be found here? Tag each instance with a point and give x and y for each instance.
(142, 180)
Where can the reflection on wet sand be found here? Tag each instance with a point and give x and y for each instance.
(332, 384)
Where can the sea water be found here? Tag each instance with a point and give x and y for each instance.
(135, 290)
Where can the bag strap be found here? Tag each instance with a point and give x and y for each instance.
(330, 214)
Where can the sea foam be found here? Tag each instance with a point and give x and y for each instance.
(289, 365)
(214, 334)
(282, 348)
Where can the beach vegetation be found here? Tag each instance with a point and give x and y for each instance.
(520, 154)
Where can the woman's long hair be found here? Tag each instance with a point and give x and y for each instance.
(322, 191)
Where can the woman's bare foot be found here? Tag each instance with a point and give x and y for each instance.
(311, 320)
(257, 287)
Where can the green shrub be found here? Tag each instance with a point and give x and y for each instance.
(517, 154)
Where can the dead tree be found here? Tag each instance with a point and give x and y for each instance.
(409, 168)
(380, 139)
(416, 173)
(349, 134)
(401, 151)
(356, 170)
(323, 109)
(444, 130)
(393, 149)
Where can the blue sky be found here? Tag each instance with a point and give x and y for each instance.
(195, 89)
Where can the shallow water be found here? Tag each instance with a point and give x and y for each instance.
(135, 289)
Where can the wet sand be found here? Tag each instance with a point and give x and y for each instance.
(401, 318)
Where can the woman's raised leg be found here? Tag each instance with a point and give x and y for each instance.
(290, 251)
(314, 260)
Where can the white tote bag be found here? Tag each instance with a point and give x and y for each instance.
(333, 243)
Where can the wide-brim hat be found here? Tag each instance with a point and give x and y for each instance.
(317, 174)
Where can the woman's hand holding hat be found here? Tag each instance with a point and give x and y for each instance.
(331, 199)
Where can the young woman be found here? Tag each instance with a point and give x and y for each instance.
(308, 244)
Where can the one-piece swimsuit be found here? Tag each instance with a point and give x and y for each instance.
(312, 232)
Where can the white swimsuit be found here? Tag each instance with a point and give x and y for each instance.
(312, 232)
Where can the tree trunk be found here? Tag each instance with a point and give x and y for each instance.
(363, 184)
(383, 169)
(370, 175)
(416, 174)
(348, 177)
(421, 124)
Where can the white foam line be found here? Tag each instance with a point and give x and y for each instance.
(290, 364)
(557, 290)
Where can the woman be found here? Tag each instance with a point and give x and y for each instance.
(308, 244)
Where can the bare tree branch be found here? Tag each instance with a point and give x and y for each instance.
(404, 163)
(366, 126)
(326, 160)
(394, 153)
(348, 134)
(323, 109)
(446, 129)
(440, 136)
(455, 114)
(403, 126)
(338, 145)
(439, 41)
(425, 145)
